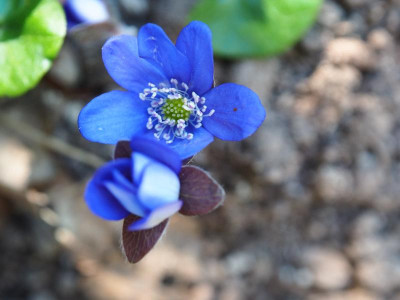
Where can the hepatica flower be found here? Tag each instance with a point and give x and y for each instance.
(80, 12)
(170, 95)
(145, 185)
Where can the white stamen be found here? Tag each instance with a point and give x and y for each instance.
(159, 127)
(166, 118)
(185, 86)
(210, 113)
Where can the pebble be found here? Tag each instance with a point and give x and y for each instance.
(334, 183)
(330, 268)
(350, 51)
(15, 163)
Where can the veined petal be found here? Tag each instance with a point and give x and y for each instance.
(238, 112)
(122, 61)
(195, 41)
(157, 151)
(99, 199)
(155, 46)
(112, 117)
(159, 185)
(156, 216)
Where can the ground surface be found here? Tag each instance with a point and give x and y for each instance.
(312, 208)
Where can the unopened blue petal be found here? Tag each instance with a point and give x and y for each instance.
(195, 42)
(92, 11)
(140, 162)
(87, 11)
(112, 117)
(125, 192)
(157, 151)
(126, 197)
(159, 186)
(122, 61)
(238, 112)
(156, 216)
(157, 48)
(99, 200)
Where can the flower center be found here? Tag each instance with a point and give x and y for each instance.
(173, 112)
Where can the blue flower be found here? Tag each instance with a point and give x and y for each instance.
(145, 185)
(85, 12)
(170, 95)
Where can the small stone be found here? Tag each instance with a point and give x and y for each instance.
(330, 14)
(350, 51)
(240, 263)
(354, 294)
(369, 176)
(202, 291)
(15, 163)
(344, 28)
(334, 183)
(382, 274)
(380, 39)
(334, 82)
(330, 268)
(369, 223)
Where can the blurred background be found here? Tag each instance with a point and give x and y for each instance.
(313, 198)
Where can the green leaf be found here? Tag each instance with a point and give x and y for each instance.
(31, 34)
(256, 27)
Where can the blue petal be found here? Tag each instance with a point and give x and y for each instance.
(156, 216)
(157, 48)
(159, 185)
(125, 192)
(186, 148)
(238, 112)
(88, 11)
(140, 162)
(122, 61)
(112, 117)
(99, 200)
(183, 147)
(157, 151)
(195, 42)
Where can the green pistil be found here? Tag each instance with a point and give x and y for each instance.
(173, 109)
